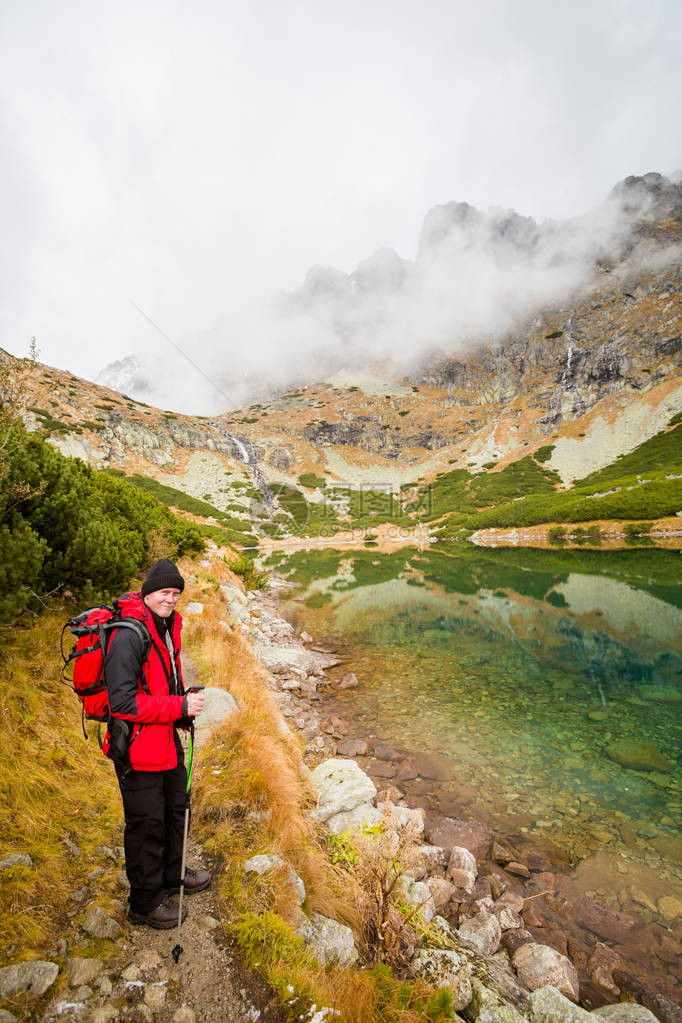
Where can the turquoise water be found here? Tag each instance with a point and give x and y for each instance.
(531, 676)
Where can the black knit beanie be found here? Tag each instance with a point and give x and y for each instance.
(161, 576)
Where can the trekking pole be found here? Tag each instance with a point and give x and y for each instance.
(178, 950)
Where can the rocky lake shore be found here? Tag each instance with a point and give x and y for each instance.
(508, 898)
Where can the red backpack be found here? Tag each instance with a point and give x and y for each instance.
(93, 629)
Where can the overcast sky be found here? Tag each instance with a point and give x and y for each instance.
(199, 158)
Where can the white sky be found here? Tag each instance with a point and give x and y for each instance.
(197, 158)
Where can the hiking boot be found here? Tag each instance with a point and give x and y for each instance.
(195, 881)
(162, 917)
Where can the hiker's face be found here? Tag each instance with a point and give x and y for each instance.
(162, 602)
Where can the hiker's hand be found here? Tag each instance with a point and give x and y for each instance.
(195, 703)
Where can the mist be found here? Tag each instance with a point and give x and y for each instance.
(475, 277)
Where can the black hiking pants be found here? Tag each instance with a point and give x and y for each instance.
(154, 810)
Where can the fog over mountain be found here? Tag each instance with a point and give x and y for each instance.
(475, 276)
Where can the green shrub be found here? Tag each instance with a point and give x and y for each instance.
(310, 480)
(544, 453)
(637, 528)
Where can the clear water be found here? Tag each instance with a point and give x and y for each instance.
(528, 671)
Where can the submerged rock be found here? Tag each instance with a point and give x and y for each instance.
(639, 755)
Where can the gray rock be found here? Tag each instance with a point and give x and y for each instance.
(405, 817)
(483, 931)
(625, 1012)
(441, 890)
(7, 1017)
(352, 748)
(71, 846)
(341, 785)
(539, 966)
(549, 1006)
(330, 941)
(219, 706)
(462, 869)
(266, 863)
(16, 860)
(99, 925)
(429, 859)
(82, 971)
(82, 993)
(486, 1006)
(418, 894)
(349, 681)
(35, 977)
(104, 1014)
(445, 968)
(358, 817)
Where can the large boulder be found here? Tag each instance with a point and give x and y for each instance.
(445, 968)
(539, 965)
(341, 786)
(364, 815)
(639, 755)
(35, 977)
(219, 706)
(329, 941)
(547, 1005)
(483, 931)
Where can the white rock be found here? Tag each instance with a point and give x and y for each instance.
(195, 607)
(405, 817)
(462, 869)
(482, 931)
(539, 966)
(547, 1005)
(358, 817)
(266, 863)
(418, 894)
(625, 1012)
(330, 941)
(341, 785)
(306, 637)
(445, 968)
(428, 859)
(219, 706)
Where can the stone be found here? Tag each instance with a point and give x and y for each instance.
(601, 965)
(349, 681)
(625, 1012)
(82, 971)
(418, 894)
(449, 831)
(35, 977)
(364, 815)
(148, 959)
(132, 974)
(518, 869)
(512, 900)
(428, 860)
(670, 908)
(539, 965)
(502, 852)
(639, 755)
(7, 1017)
(462, 869)
(547, 1005)
(384, 752)
(104, 1014)
(606, 923)
(509, 920)
(219, 706)
(185, 1015)
(82, 993)
(352, 748)
(486, 1006)
(511, 940)
(16, 860)
(445, 968)
(155, 997)
(405, 817)
(208, 923)
(306, 637)
(195, 607)
(99, 925)
(266, 863)
(441, 890)
(341, 785)
(330, 941)
(483, 931)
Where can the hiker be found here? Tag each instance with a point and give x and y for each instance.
(148, 704)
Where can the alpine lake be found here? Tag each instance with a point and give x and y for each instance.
(542, 689)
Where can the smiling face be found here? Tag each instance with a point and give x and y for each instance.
(162, 602)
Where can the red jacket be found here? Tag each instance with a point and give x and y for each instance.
(146, 692)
